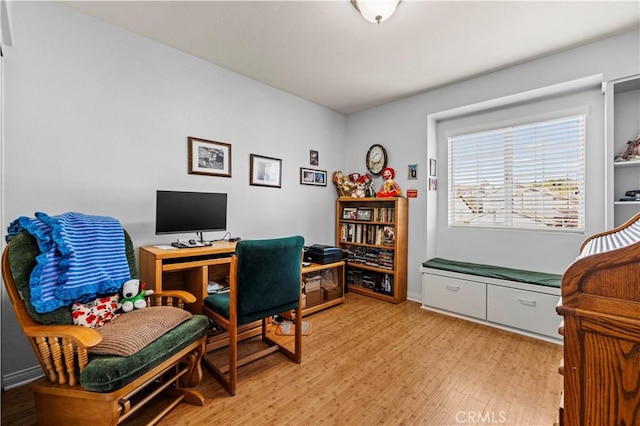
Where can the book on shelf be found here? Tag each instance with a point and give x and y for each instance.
(367, 234)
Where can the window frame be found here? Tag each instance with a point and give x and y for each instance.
(507, 209)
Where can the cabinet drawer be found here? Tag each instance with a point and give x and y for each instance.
(455, 295)
(535, 312)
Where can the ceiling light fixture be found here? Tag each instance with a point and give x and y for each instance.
(376, 11)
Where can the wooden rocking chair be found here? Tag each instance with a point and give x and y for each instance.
(80, 387)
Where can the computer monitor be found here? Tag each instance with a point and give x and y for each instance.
(180, 212)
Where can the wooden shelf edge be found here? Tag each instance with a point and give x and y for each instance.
(324, 305)
(368, 292)
(370, 268)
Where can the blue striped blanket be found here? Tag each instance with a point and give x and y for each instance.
(81, 257)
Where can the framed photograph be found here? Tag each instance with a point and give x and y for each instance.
(209, 158)
(349, 212)
(364, 214)
(313, 177)
(432, 167)
(314, 158)
(265, 171)
(433, 184)
(412, 173)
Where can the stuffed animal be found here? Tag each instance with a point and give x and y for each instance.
(389, 187)
(368, 186)
(344, 186)
(133, 294)
(360, 191)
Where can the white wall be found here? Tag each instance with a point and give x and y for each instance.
(402, 128)
(97, 120)
(524, 249)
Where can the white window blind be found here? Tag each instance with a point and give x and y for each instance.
(528, 176)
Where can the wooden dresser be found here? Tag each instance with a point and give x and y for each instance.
(601, 308)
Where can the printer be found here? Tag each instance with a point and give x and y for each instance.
(322, 254)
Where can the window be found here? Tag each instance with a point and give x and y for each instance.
(524, 177)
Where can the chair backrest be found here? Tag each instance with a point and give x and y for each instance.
(19, 259)
(268, 276)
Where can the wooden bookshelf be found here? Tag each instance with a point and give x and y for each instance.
(373, 233)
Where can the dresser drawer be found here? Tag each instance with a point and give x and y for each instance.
(527, 310)
(455, 295)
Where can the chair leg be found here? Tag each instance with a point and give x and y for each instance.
(298, 336)
(233, 357)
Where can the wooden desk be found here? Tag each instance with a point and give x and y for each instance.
(191, 269)
(188, 269)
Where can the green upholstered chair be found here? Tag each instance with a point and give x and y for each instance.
(264, 280)
(82, 387)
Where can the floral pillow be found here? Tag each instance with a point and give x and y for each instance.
(95, 313)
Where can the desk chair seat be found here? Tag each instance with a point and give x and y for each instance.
(264, 280)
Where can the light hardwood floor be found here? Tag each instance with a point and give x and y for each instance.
(371, 362)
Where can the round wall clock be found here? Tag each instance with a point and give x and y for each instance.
(376, 159)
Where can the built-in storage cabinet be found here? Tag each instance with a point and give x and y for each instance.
(519, 307)
(624, 115)
(373, 234)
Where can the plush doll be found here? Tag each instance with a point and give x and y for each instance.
(133, 294)
(343, 185)
(360, 191)
(368, 186)
(389, 187)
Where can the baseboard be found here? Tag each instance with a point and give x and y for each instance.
(414, 297)
(20, 378)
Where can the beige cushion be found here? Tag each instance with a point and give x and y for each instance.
(132, 331)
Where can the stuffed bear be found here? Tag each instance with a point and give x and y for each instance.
(360, 191)
(133, 294)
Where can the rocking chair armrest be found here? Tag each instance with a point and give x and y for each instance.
(83, 336)
(183, 295)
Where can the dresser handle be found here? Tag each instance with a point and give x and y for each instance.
(453, 287)
(527, 302)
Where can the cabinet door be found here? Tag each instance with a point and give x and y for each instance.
(523, 309)
(454, 295)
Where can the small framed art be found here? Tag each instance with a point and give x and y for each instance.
(313, 177)
(349, 212)
(432, 167)
(209, 158)
(265, 171)
(364, 214)
(412, 172)
(433, 184)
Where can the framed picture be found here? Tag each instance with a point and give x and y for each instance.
(349, 212)
(364, 214)
(433, 184)
(209, 158)
(313, 177)
(314, 157)
(432, 167)
(265, 171)
(412, 172)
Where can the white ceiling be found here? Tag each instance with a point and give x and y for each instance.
(324, 51)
